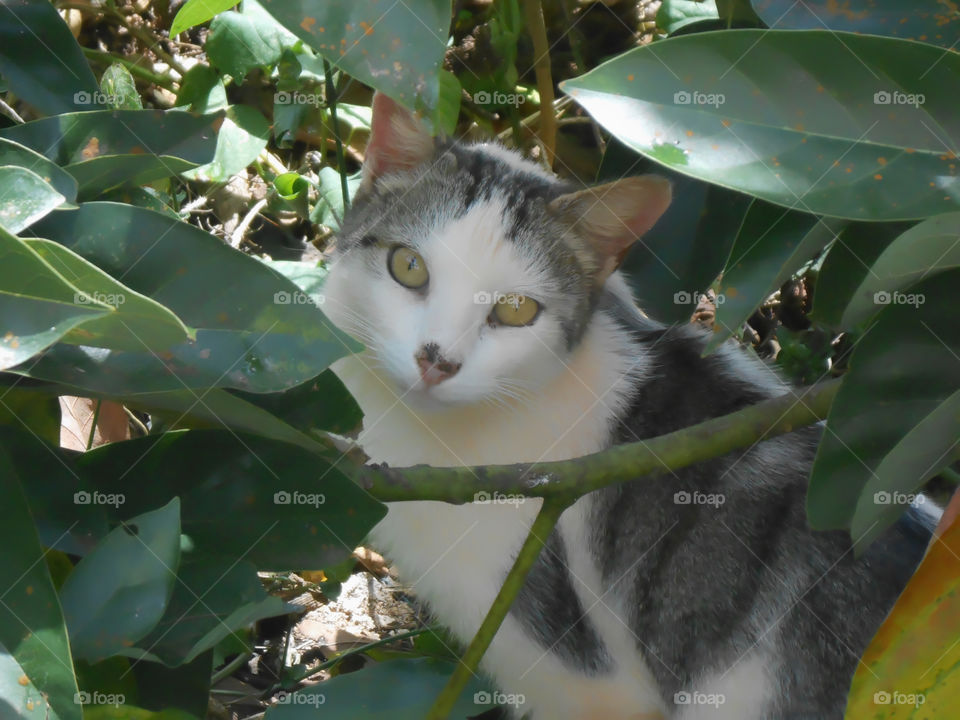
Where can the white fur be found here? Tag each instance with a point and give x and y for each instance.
(456, 556)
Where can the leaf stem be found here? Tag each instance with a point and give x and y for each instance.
(542, 526)
(541, 51)
(332, 105)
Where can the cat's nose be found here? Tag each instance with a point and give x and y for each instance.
(434, 368)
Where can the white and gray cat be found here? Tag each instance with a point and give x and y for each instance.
(499, 330)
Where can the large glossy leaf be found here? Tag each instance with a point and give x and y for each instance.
(910, 670)
(32, 628)
(36, 412)
(18, 695)
(277, 505)
(241, 41)
(680, 257)
(766, 112)
(136, 323)
(12, 153)
(38, 305)
(676, 14)
(39, 58)
(249, 335)
(392, 690)
(118, 593)
(932, 21)
(396, 48)
(930, 247)
(26, 197)
(197, 12)
(242, 137)
(771, 245)
(894, 421)
(106, 148)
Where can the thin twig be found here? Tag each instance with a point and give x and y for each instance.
(164, 81)
(237, 236)
(331, 92)
(541, 51)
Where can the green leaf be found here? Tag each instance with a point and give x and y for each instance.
(247, 337)
(18, 695)
(118, 593)
(37, 304)
(675, 14)
(329, 208)
(241, 41)
(26, 198)
(396, 48)
(771, 245)
(293, 190)
(118, 85)
(930, 247)
(851, 144)
(32, 628)
(393, 690)
(277, 505)
(197, 12)
(36, 412)
(847, 264)
(895, 412)
(12, 153)
(137, 323)
(185, 687)
(214, 598)
(40, 60)
(106, 148)
(203, 90)
(128, 712)
(932, 21)
(242, 137)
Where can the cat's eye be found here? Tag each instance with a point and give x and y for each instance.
(515, 310)
(407, 267)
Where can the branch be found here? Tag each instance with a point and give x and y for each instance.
(541, 52)
(542, 526)
(569, 479)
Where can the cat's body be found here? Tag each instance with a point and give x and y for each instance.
(703, 585)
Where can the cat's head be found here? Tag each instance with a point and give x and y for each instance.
(470, 273)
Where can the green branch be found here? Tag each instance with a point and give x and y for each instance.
(569, 479)
(539, 532)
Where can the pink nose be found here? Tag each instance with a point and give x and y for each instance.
(434, 368)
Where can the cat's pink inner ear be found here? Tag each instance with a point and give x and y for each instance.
(614, 215)
(398, 141)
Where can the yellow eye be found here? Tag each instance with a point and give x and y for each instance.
(407, 267)
(515, 310)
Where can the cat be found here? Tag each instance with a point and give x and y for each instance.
(498, 329)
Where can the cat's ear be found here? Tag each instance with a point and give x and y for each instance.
(614, 215)
(398, 140)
